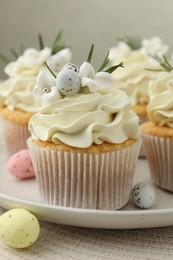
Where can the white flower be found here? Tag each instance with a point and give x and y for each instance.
(154, 46)
(95, 81)
(31, 59)
(119, 52)
(46, 90)
(58, 60)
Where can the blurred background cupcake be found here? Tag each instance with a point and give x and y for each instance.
(84, 144)
(157, 134)
(17, 103)
(134, 79)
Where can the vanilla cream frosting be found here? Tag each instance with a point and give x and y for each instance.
(83, 119)
(160, 84)
(16, 91)
(134, 79)
(160, 108)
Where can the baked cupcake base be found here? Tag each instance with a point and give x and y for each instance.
(158, 145)
(99, 177)
(15, 129)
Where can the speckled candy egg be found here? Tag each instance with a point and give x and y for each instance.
(68, 82)
(19, 228)
(143, 195)
(20, 165)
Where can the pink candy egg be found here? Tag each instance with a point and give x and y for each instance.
(20, 165)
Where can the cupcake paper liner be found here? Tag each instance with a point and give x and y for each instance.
(143, 119)
(85, 180)
(159, 153)
(15, 136)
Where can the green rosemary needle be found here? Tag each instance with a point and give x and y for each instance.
(105, 62)
(164, 63)
(40, 40)
(90, 53)
(111, 69)
(5, 58)
(133, 42)
(58, 45)
(50, 70)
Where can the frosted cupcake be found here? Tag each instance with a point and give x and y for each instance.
(17, 103)
(84, 144)
(134, 79)
(158, 133)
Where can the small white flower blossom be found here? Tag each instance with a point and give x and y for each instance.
(46, 90)
(119, 52)
(30, 59)
(58, 60)
(94, 81)
(153, 46)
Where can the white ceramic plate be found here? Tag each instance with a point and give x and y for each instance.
(16, 193)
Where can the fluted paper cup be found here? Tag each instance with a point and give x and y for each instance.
(143, 119)
(15, 136)
(159, 153)
(85, 180)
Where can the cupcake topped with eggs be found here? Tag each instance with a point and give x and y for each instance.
(85, 138)
(137, 55)
(17, 103)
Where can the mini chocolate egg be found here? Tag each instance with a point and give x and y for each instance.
(19, 228)
(20, 165)
(68, 82)
(143, 195)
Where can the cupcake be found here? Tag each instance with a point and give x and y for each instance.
(84, 144)
(134, 79)
(17, 103)
(157, 134)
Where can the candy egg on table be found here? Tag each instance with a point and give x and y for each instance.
(68, 81)
(19, 228)
(20, 165)
(143, 195)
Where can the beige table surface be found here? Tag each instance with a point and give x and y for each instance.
(67, 242)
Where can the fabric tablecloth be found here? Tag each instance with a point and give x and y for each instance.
(67, 242)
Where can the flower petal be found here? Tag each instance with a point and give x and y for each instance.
(90, 83)
(52, 96)
(44, 79)
(104, 80)
(86, 70)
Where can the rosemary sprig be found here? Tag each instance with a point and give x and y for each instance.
(5, 58)
(15, 54)
(90, 53)
(105, 62)
(58, 45)
(111, 69)
(50, 70)
(164, 63)
(133, 42)
(40, 40)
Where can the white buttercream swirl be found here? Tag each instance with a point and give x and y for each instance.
(160, 84)
(16, 93)
(160, 108)
(84, 119)
(134, 79)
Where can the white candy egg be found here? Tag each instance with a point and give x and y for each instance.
(72, 67)
(19, 228)
(68, 82)
(143, 195)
